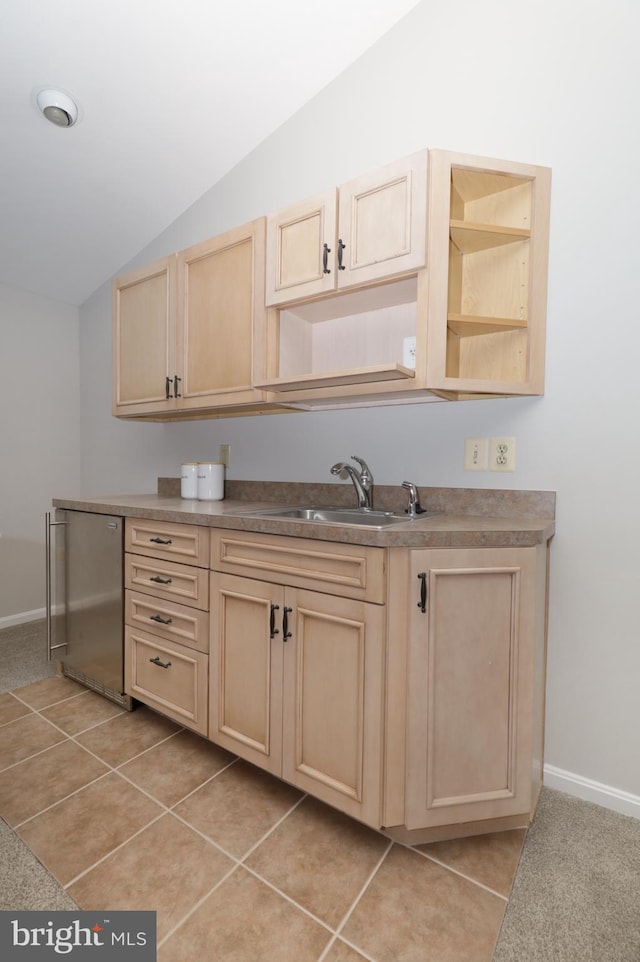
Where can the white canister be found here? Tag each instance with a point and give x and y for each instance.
(189, 480)
(210, 480)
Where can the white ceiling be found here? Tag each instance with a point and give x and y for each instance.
(171, 96)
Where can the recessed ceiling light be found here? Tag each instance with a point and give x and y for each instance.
(57, 107)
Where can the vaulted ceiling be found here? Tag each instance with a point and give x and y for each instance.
(170, 97)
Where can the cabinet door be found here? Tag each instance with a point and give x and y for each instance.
(487, 252)
(144, 339)
(246, 669)
(301, 255)
(471, 680)
(332, 742)
(222, 319)
(382, 222)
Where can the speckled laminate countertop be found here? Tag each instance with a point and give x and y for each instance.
(463, 517)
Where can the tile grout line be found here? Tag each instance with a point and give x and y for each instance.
(457, 872)
(90, 868)
(239, 863)
(353, 907)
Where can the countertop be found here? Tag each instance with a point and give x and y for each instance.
(465, 524)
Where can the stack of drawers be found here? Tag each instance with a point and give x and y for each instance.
(167, 618)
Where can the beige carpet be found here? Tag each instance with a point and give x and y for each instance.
(576, 897)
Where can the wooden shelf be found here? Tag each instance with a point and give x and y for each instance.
(363, 375)
(469, 237)
(467, 325)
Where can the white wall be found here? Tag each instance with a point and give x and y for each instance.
(39, 437)
(553, 83)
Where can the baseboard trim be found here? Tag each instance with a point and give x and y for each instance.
(586, 788)
(22, 617)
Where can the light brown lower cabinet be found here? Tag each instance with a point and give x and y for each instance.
(169, 677)
(296, 687)
(167, 619)
(403, 686)
(474, 691)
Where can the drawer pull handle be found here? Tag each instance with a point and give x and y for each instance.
(161, 664)
(160, 620)
(160, 540)
(160, 581)
(326, 250)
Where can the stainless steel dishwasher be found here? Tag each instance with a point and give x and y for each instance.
(84, 606)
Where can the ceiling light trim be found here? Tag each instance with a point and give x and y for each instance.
(57, 106)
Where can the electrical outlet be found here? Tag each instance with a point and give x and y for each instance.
(502, 454)
(224, 454)
(409, 352)
(476, 454)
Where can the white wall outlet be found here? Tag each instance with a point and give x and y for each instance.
(409, 352)
(502, 454)
(224, 454)
(476, 454)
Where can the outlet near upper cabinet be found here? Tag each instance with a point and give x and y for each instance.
(502, 454)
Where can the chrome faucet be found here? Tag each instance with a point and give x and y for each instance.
(362, 480)
(414, 508)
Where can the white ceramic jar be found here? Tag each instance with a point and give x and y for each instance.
(210, 481)
(189, 480)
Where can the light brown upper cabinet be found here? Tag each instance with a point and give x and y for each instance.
(470, 324)
(368, 229)
(189, 330)
(488, 250)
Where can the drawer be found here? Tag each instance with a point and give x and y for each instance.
(348, 570)
(163, 539)
(168, 677)
(187, 626)
(167, 579)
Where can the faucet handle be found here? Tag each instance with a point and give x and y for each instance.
(367, 473)
(414, 506)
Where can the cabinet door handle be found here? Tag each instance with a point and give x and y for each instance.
(273, 631)
(160, 581)
(286, 634)
(176, 381)
(160, 619)
(161, 540)
(161, 664)
(326, 250)
(167, 388)
(341, 247)
(422, 604)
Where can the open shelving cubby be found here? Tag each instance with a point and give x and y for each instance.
(348, 339)
(490, 219)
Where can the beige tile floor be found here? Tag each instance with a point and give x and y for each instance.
(127, 811)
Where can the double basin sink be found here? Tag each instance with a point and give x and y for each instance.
(362, 517)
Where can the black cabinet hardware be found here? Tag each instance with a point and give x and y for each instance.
(273, 631)
(286, 634)
(341, 247)
(422, 604)
(160, 664)
(326, 250)
(160, 619)
(160, 581)
(161, 540)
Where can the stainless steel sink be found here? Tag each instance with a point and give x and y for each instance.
(361, 517)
